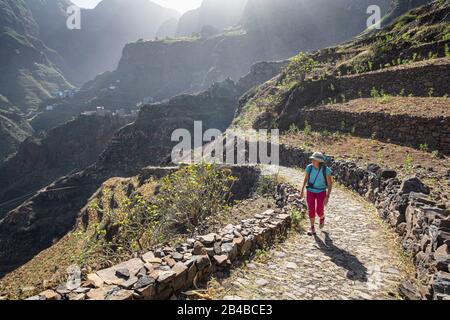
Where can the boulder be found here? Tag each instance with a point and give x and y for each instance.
(147, 292)
(177, 256)
(413, 184)
(77, 296)
(129, 283)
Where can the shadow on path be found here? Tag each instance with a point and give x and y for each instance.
(355, 269)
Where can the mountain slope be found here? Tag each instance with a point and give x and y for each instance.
(92, 50)
(274, 30)
(27, 75)
(321, 77)
(13, 128)
(216, 13)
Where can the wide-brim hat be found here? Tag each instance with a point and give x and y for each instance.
(318, 156)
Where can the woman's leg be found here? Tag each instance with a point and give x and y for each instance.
(320, 208)
(311, 201)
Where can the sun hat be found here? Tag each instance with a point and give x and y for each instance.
(318, 156)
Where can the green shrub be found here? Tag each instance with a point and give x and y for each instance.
(128, 225)
(423, 147)
(408, 163)
(194, 192)
(307, 129)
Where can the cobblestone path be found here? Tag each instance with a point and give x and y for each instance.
(352, 258)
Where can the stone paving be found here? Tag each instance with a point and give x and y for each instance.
(350, 259)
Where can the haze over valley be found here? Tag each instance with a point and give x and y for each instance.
(87, 115)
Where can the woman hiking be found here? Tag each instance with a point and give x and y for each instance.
(318, 183)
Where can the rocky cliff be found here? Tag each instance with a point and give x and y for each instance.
(69, 147)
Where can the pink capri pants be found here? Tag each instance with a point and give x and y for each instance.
(316, 204)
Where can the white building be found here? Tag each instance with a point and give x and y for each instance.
(101, 111)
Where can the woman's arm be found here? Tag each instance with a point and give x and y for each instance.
(330, 188)
(305, 181)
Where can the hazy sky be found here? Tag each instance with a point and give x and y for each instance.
(180, 5)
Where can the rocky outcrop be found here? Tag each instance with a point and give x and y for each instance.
(165, 271)
(39, 161)
(261, 72)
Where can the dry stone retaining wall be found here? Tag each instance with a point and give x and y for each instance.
(163, 272)
(430, 77)
(416, 78)
(402, 129)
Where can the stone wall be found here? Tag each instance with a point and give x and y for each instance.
(402, 129)
(423, 226)
(430, 76)
(426, 75)
(165, 271)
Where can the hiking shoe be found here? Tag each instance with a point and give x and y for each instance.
(322, 223)
(311, 231)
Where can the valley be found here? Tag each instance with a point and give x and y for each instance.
(87, 179)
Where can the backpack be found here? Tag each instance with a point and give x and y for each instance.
(324, 172)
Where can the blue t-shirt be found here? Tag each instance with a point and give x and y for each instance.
(319, 182)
